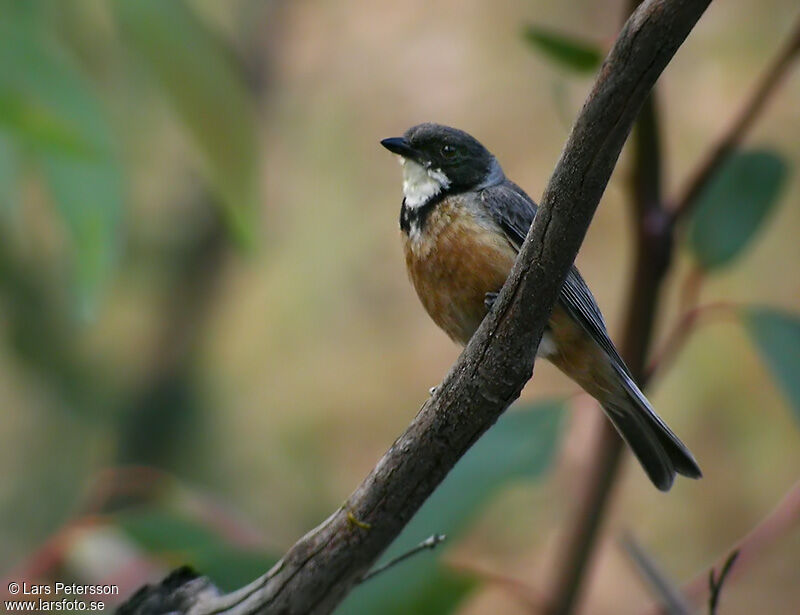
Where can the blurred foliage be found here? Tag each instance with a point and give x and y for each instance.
(41, 332)
(135, 518)
(65, 141)
(519, 447)
(52, 120)
(565, 51)
(777, 336)
(177, 540)
(726, 218)
(732, 208)
(277, 381)
(200, 78)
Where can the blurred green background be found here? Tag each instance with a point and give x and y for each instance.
(201, 282)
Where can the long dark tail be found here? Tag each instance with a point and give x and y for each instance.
(657, 448)
(588, 357)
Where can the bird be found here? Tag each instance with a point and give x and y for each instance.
(462, 224)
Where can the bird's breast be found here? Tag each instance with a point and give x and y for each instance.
(457, 257)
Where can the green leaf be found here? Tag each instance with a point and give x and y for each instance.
(776, 334)
(196, 73)
(520, 446)
(179, 541)
(734, 205)
(9, 170)
(40, 127)
(565, 51)
(89, 195)
(48, 110)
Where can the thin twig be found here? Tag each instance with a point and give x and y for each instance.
(670, 596)
(676, 339)
(715, 584)
(785, 517)
(688, 300)
(594, 493)
(689, 295)
(529, 597)
(429, 543)
(761, 93)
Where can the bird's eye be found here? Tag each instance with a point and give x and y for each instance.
(448, 151)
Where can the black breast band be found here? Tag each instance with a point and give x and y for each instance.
(417, 216)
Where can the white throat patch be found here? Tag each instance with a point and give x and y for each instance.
(421, 184)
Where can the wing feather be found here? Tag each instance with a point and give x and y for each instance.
(513, 210)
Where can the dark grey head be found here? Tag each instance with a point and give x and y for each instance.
(444, 159)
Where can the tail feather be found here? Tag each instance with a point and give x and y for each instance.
(658, 449)
(585, 354)
(645, 444)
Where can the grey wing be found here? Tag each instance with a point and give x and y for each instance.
(513, 211)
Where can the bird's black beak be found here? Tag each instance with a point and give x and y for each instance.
(401, 147)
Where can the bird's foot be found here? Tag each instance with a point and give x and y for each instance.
(489, 300)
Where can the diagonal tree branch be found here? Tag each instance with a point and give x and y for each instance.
(323, 566)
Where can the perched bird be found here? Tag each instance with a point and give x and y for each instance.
(462, 225)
